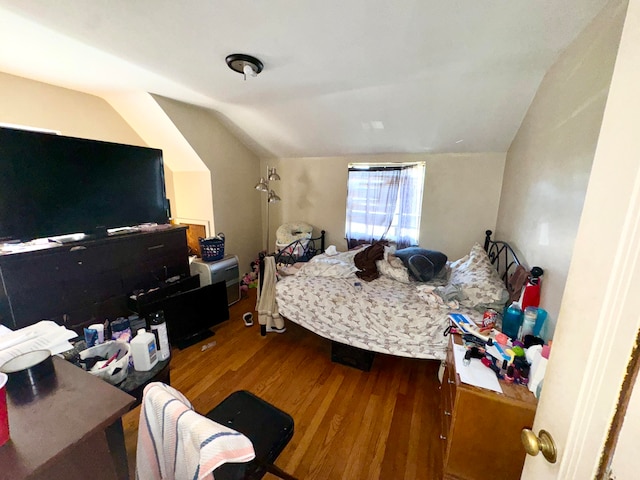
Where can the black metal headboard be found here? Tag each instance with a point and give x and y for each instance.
(501, 255)
(300, 250)
(505, 260)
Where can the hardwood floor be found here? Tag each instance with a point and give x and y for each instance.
(349, 424)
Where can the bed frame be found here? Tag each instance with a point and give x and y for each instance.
(300, 250)
(505, 260)
(500, 253)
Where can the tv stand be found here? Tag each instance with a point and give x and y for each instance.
(72, 237)
(84, 281)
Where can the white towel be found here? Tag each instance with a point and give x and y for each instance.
(267, 306)
(176, 443)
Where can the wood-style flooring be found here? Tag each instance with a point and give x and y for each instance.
(349, 424)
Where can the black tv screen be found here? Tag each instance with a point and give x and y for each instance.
(53, 185)
(190, 314)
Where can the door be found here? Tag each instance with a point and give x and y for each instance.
(599, 316)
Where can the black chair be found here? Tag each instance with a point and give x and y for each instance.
(268, 428)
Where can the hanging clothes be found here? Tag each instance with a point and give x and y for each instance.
(266, 305)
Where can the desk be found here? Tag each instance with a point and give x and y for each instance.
(72, 432)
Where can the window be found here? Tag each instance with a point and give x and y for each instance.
(384, 202)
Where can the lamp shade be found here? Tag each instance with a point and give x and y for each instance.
(273, 175)
(262, 185)
(273, 197)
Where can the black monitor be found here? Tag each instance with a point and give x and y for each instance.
(190, 315)
(52, 185)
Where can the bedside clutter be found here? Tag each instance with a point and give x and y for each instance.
(477, 423)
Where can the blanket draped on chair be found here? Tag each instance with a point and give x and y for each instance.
(175, 442)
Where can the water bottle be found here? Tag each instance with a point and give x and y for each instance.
(512, 320)
(529, 321)
(159, 329)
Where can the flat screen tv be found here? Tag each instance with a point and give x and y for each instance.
(53, 185)
(190, 315)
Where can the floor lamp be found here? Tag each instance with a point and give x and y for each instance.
(263, 186)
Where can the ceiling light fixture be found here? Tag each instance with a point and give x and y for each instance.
(244, 64)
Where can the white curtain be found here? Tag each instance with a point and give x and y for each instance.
(370, 197)
(384, 203)
(409, 206)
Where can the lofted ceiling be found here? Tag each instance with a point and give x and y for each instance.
(340, 77)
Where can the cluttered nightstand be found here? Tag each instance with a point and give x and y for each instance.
(480, 427)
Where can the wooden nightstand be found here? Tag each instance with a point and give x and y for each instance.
(481, 428)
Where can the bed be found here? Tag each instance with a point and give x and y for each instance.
(392, 314)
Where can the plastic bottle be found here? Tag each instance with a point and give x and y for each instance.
(531, 292)
(143, 351)
(512, 320)
(159, 330)
(529, 321)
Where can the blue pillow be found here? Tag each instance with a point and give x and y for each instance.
(423, 265)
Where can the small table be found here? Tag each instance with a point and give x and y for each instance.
(73, 431)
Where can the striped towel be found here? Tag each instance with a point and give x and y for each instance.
(177, 443)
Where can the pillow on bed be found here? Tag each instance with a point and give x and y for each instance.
(478, 280)
(422, 264)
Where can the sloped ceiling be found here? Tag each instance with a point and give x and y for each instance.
(340, 77)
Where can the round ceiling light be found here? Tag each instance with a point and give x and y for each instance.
(244, 64)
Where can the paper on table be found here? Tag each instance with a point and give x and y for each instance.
(42, 335)
(475, 373)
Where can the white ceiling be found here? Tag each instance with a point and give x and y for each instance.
(440, 75)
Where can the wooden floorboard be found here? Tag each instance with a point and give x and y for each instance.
(349, 424)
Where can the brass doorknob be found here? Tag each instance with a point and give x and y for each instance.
(543, 442)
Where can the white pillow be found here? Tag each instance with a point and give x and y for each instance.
(478, 280)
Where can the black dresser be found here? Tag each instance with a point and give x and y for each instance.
(77, 283)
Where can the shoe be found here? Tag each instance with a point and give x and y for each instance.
(276, 329)
(248, 319)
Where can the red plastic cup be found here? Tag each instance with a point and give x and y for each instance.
(4, 414)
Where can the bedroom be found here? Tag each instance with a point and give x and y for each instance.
(23, 100)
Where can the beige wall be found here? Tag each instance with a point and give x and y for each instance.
(36, 104)
(461, 196)
(549, 162)
(234, 172)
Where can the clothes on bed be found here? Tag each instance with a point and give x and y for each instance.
(438, 297)
(266, 305)
(366, 259)
(175, 442)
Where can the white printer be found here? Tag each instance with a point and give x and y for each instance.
(221, 270)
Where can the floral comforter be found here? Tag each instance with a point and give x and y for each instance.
(390, 314)
(384, 315)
